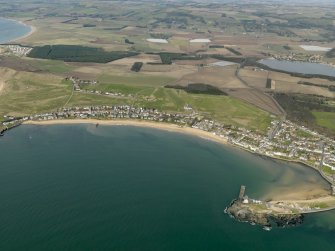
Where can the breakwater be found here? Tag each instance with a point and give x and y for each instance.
(265, 214)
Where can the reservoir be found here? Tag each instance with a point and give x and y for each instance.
(11, 30)
(299, 67)
(82, 187)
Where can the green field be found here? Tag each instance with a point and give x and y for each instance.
(325, 119)
(51, 66)
(222, 108)
(31, 93)
(328, 170)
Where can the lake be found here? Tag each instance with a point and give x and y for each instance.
(11, 30)
(299, 67)
(82, 187)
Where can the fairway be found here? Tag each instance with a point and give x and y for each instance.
(29, 93)
(225, 109)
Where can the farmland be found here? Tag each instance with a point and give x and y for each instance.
(19, 98)
(121, 48)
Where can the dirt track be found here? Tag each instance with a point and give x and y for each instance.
(2, 85)
(257, 98)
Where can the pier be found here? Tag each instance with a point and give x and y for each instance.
(242, 192)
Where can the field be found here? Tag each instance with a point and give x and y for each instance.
(19, 98)
(325, 119)
(125, 28)
(313, 112)
(222, 108)
(29, 93)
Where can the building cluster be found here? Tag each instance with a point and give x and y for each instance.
(79, 83)
(285, 140)
(108, 112)
(313, 58)
(17, 50)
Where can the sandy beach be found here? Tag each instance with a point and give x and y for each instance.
(156, 125)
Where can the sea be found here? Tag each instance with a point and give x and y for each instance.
(82, 187)
(11, 30)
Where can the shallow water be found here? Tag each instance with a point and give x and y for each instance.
(78, 187)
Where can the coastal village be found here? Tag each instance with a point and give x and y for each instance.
(15, 49)
(284, 140)
(303, 57)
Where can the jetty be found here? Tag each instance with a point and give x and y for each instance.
(242, 192)
(282, 213)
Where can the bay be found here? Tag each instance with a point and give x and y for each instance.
(11, 30)
(78, 187)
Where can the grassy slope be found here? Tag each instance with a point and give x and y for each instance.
(222, 108)
(29, 93)
(133, 80)
(50, 66)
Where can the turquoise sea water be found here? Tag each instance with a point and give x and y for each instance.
(10, 30)
(78, 187)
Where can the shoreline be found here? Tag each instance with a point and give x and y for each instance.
(137, 123)
(200, 134)
(33, 29)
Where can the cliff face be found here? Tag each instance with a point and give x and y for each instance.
(258, 215)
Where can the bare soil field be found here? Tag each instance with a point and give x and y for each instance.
(175, 71)
(236, 40)
(222, 51)
(287, 87)
(259, 83)
(195, 62)
(286, 83)
(133, 31)
(144, 58)
(257, 98)
(221, 77)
